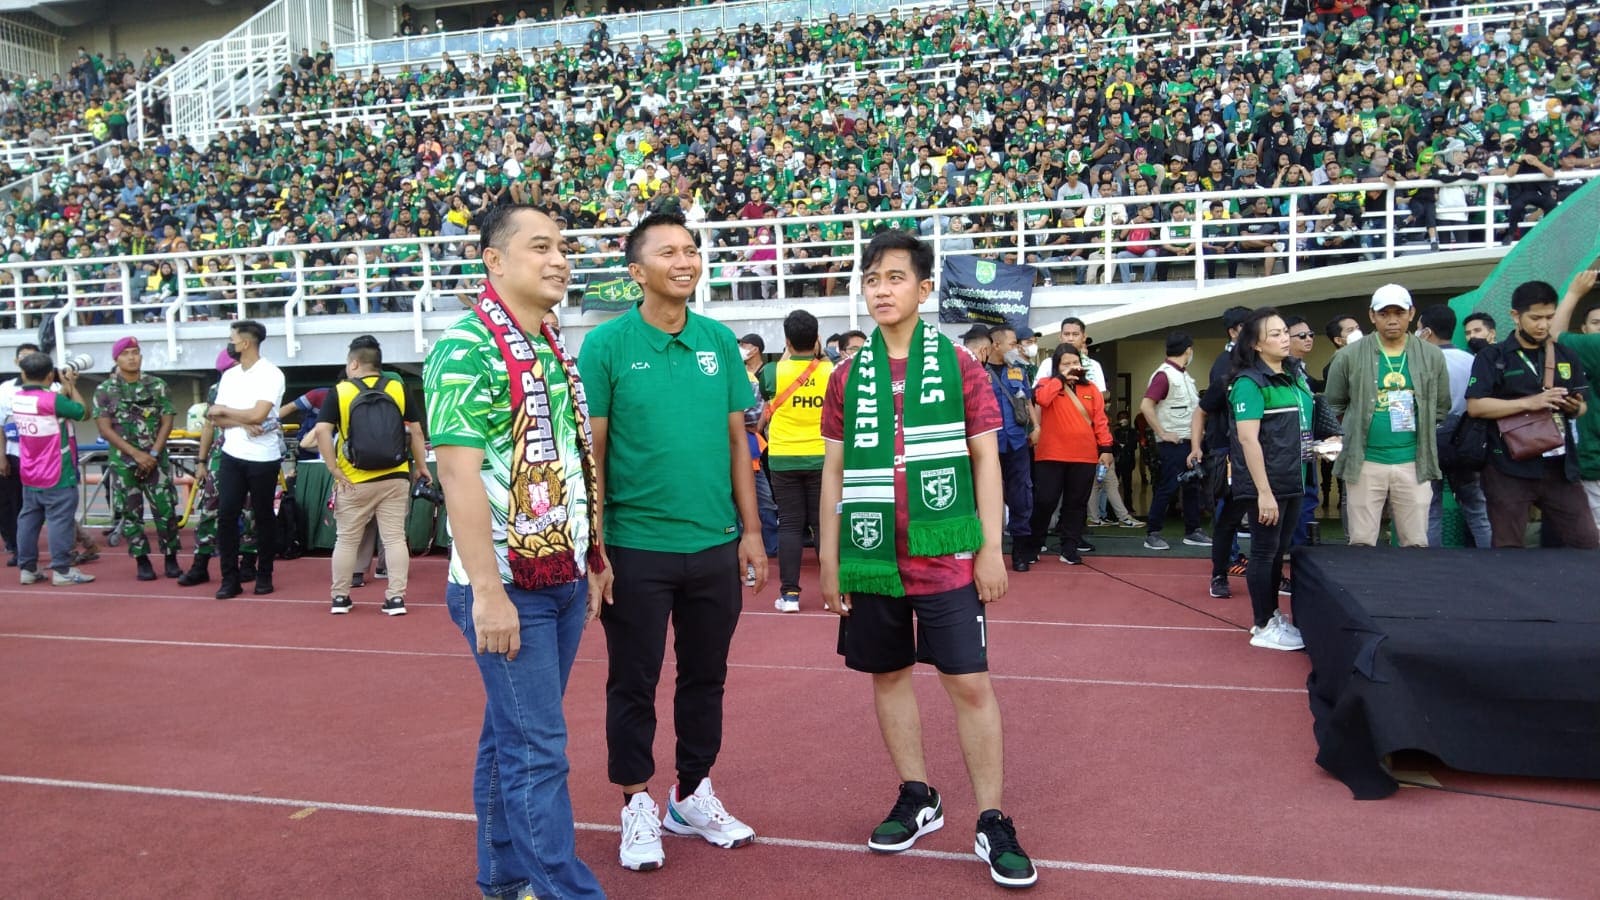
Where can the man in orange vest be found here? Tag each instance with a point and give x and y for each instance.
(794, 389)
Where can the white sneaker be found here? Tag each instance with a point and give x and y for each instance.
(787, 603)
(29, 576)
(702, 813)
(1277, 635)
(641, 835)
(70, 576)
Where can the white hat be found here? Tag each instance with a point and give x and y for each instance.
(1390, 295)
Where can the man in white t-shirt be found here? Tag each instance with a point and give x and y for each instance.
(246, 409)
(1075, 333)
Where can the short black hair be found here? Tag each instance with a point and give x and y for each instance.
(1234, 316)
(494, 226)
(1335, 327)
(800, 330)
(1178, 342)
(26, 348)
(256, 330)
(1533, 293)
(654, 220)
(921, 252)
(1439, 319)
(35, 366)
(1074, 320)
(1289, 322)
(366, 350)
(1000, 329)
(1485, 318)
(848, 335)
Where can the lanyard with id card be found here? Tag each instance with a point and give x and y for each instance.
(1393, 395)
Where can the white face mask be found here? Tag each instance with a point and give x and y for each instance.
(749, 351)
(1031, 351)
(1352, 337)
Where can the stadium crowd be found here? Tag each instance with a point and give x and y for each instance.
(773, 120)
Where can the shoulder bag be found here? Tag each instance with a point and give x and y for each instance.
(1532, 433)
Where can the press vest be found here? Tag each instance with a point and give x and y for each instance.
(1175, 412)
(796, 426)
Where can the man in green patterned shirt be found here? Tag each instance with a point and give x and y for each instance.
(134, 413)
(525, 639)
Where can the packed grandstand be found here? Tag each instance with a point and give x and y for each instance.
(1098, 142)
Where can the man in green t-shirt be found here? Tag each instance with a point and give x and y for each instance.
(525, 636)
(668, 391)
(1389, 389)
(1585, 344)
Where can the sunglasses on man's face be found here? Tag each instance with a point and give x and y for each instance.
(1303, 335)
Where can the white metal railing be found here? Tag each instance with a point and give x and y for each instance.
(23, 156)
(237, 69)
(33, 182)
(1479, 21)
(26, 50)
(1089, 242)
(338, 117)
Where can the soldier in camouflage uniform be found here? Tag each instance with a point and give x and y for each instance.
(134, 413)
(205, 505)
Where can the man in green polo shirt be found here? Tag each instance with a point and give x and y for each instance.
(677, 487)
(1584, 342)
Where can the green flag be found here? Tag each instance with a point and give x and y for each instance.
(1564, 242)
(611, 294)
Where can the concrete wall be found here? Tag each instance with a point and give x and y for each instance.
(136, 27)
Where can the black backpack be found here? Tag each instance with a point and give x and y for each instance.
(376, 435)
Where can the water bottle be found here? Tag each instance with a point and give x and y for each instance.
(1100, 472)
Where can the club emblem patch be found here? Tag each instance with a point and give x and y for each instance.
(866, 530)
(939, 488)
(708, 361)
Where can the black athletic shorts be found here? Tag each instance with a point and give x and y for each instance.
(950, 632)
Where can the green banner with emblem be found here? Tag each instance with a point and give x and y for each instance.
(611, 294)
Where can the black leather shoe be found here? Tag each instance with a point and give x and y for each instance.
(172, 569)
(229, 590)
(247, 567)
(197, 574)
(146, 572)
(1020, 564)
(263, 584)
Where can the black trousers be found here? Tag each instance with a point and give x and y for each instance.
(10, 503)
(1068, 484)
(1174, 460)
(237, 478)
(1264, 572)
(701, 594)
(799, 498)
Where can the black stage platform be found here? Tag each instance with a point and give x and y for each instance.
(1487, 659)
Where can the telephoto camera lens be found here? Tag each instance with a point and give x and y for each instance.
(78, 362)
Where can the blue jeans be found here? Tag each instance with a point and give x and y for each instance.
(1474, 511)
(55, 508)
(519, 787)
(768, 508)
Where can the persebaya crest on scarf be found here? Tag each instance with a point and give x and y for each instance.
(941, 505)
(537, 532)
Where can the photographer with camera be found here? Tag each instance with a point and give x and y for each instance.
(371, 475)
(1168, 405)
(47, 462)
(10, 470)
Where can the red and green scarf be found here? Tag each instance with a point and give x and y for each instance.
(539, 540)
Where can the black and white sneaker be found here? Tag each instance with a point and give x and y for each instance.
(996, 844)
(1220, 588)
(917, 812)
(394, 606)
(341, 606)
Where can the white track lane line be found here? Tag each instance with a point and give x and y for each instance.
(1044, 679)
(424, 604)
(798, 843)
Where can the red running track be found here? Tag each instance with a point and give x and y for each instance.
(158, 743)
